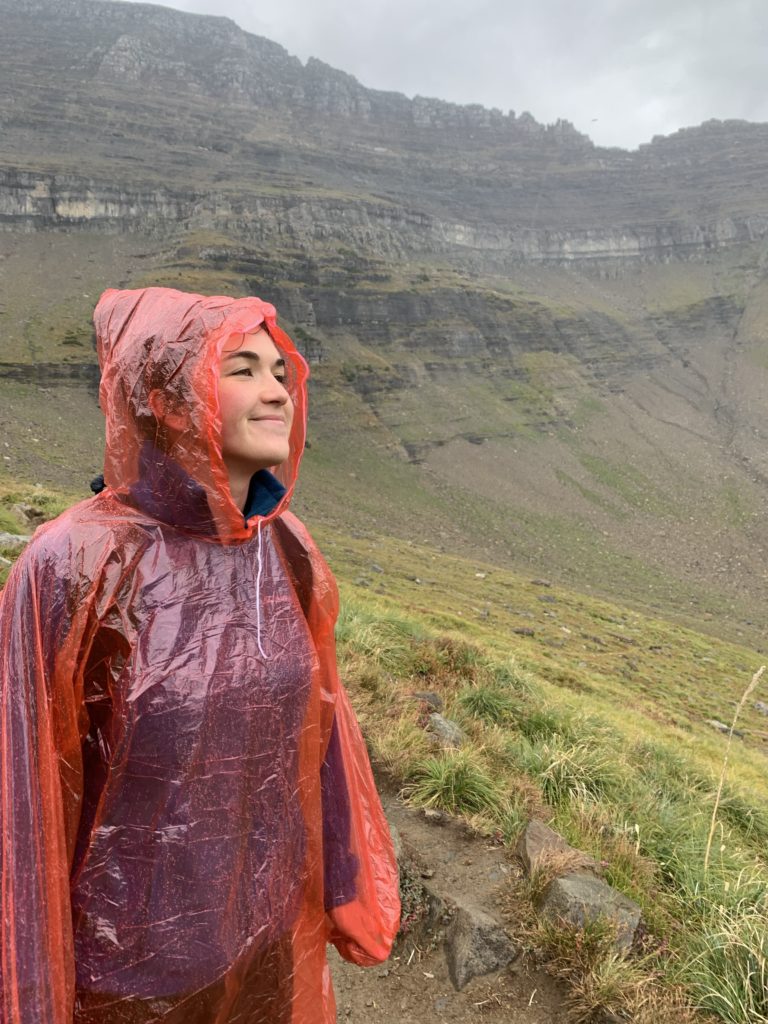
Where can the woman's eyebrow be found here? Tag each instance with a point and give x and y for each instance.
(253, 356)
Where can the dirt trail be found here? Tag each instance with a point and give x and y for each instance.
(414, 986)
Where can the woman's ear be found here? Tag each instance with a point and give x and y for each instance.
(168, 415)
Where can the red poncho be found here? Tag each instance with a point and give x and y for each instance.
(188, 812)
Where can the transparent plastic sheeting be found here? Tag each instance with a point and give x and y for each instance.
(188, 811)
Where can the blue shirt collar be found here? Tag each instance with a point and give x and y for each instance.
(264, 494)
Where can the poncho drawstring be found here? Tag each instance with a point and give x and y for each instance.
(258, 592)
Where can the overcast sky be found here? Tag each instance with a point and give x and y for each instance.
(620, 70)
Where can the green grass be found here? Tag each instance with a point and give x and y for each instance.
(48, 503)
(567, 771)
(736, 508)
(729, 976)
(591, 495)
(539, 724)
(10, 522)
(625, 771)
(627, 482)
(488, 703)
(454, 781)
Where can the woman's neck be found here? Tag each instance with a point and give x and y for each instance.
(239, 482)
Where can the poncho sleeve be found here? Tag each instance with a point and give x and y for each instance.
(42, 624)
(340, 866)
(363, 928)
(360, 870)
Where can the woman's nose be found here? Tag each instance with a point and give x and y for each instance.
(274, 391)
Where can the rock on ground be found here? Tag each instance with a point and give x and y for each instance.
(476, 944)
(539, 845)
(13, 541)
(722, 727)
(447, 734)
(580, 899)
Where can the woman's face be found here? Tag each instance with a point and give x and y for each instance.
(256, 409)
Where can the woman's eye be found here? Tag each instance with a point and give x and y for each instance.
(280, 378)
(244, 372)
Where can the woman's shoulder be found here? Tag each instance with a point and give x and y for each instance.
(296, 539)
(85, 534)
(311, 573)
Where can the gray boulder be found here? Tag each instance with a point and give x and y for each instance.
(13, 541)
(539, 846)
(580, 898)
(722, 727)
(476, 944)
(447, 734)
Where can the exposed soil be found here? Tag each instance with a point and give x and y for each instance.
(414, 986)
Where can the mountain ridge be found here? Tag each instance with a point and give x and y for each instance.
(548, 353)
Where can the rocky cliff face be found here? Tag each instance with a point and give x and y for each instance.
(156, 46)
(209, 116)
(545, 352)
(36, 201)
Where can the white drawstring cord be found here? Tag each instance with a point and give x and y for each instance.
(258, 595)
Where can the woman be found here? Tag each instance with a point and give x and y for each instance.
(188, 811)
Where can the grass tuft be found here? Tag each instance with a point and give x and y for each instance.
(385, 642)
(401, 747)
(550, 865)
(606, 985)
(488, 703)
(727, 966)
(613, 985)
(510, 676)
(456, 782)
(544, 724)
(729, 977)
(570, 771)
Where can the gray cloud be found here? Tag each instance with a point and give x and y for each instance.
(621, 70)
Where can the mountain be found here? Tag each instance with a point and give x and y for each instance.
(524, 347)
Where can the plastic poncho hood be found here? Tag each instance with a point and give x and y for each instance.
(188, 812)
(158, 341)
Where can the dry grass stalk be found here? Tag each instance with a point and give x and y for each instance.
(552, 864)
(739, 707)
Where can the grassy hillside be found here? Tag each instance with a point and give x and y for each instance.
(606, 433)
(589, 714)
(594, 717)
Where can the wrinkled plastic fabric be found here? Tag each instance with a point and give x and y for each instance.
(188, 812)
